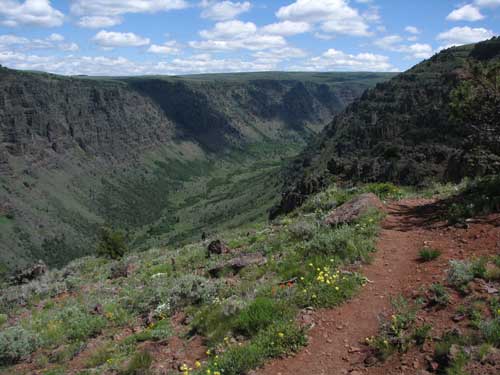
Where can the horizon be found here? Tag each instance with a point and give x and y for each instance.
(187, 37)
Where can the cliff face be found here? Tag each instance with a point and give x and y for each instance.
(438, 121)
(76, 152)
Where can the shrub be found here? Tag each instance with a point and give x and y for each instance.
(16, 343)
(3, 319)
(421, 334)
(260, 314)
(460, 273)
(276, 340)
(302, 230)
(111, 243)
(491, 331)
(71, 323)
(139, 364)
(190, 290)
(348, 243)
(384, 190)
(438, 296)
(428, 254)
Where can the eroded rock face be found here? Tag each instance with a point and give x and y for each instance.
(217, 247)
(238, 263)
(354, 209)
(30, 273)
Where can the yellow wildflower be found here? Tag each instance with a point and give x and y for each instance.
(197, 364)
(281, 334)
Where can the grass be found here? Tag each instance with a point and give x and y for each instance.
(245, 318)
(428, 254)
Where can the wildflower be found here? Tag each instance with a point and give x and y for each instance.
(337, 288)
(281, 334)
(313, 296)
(209, 372)
(208, 352)
(197, 364)
(216, 373)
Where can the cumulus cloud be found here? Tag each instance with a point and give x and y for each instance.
(17, 44)
(415, 51)
(235, 35)
(412, 30)
(458, 36)
(333, 16)
(101, 65)
(487, 3)
(116, 39)
(106, 13)
(467, 12)
(30, 12)
(224, 10)
(334, 59)
(275, 56)
(166, 48)
(287, 28)
(98, 22)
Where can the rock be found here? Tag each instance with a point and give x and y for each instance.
(238, 263)
(352, 210)
(30, 273)
(217, 247)
(98, 310)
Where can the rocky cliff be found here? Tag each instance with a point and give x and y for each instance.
(439, 120)
(76, 152)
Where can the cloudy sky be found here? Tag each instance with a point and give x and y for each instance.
(133, 37)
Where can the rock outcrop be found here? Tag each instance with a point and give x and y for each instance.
(354, 209)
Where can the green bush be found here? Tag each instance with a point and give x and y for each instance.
(16, 343)
(276, 340)
(139, 364)
(302, 230)
(190, 290)
(384, 190)
(71, 323)
(491, 331)
(438, 296)
(460, 273)
(427, 254)
(111, 244)
(260, 314)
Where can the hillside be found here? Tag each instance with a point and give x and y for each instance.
(438, 121)
(165, 158)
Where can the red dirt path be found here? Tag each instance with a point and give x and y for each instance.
(335, 340)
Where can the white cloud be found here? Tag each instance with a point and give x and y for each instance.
(278, 55)
(414, 51)
(224, 10)
(54, 37)
(21, 44)
(119, 66)
(106, 13)
(164, 49)
(98, 22)
(465, 13)
(116, 39)
(334, 16)
(236, 35)
(338, 60)
(487, 3)
(412, 30)
(230, 29)
(463, 35)
(287, 28)
(30, 12)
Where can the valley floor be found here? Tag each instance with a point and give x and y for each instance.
(337, 339)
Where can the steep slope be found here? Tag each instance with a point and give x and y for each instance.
(158, 156)
(439, 120)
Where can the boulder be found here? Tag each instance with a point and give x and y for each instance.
(217, 247)
(354, 209)
(238, 263)
(30, 273)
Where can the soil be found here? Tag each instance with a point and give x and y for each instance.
(336, 340)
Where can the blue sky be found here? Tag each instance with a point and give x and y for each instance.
(135, 37)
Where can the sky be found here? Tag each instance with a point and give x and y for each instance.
(139, 37)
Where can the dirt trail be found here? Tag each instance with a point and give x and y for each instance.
(334, 341)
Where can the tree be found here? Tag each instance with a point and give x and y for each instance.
(112, 243)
